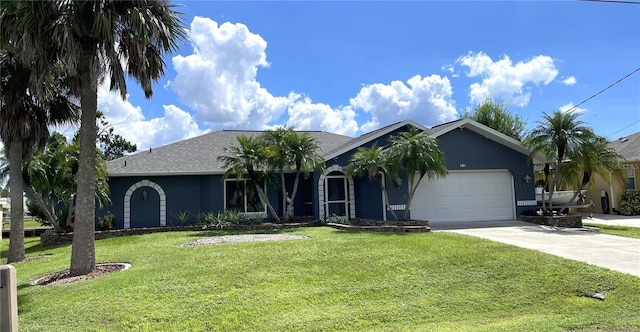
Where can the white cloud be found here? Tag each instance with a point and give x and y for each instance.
(570, 106)
(505, 81)
(305, 115)
(218, 80)
(129, 121)
(426, 100)
(571, 80)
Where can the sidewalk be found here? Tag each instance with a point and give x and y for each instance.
(611, 219)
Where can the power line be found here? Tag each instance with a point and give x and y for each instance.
(603, 90)
(617, 131)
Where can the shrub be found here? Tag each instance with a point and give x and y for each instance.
(108, 221)
(205, 218)
(233, 217)
(182, 217)
(630, 202)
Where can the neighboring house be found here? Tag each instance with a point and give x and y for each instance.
(629, 148)
(489, 179)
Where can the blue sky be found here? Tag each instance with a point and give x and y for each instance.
(351, 67)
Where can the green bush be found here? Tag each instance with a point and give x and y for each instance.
(233, 217)
(108, 221)
(206, 218)
(182, 217)
(630, 203)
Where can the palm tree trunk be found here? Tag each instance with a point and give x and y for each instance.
(412, 191)
(83, 258)
(552, 188)
(16, 237)
(295, 187)
(45, 208)
(71, 211)
(284, 196)
(385, 196)
(585, 180)
(265, 200)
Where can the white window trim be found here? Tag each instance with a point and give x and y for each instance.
(250, 215)
(631, 174)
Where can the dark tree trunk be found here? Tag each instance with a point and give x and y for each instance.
(83, 260)
(16, 237)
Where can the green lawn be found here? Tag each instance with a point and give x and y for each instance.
(333, 280)
(29, 222)
(616, 230)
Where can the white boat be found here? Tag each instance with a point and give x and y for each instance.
(561, 197)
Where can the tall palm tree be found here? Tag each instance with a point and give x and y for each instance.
(304, 154)
(250, 158)
(372, 162)
(99, 39)
(592, 157)
(416, 155)
(24, 120)
(279, 160)
(557, 136)
(292, 151)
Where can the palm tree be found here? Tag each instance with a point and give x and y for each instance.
(372, 162)
(291, 151)
(303, 151)
(557, 136)
(274, 139)
(24, 120)
(50, 179)
(416, 155)
(250, 157)
(99, 39)
(592, 157)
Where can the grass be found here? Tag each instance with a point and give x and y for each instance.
(333, 280)
(627, 231)
(29, 222)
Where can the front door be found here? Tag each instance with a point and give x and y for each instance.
(336, 195)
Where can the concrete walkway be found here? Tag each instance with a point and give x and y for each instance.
(617, 253)
(612, 219)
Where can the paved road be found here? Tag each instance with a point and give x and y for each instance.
(617, 253)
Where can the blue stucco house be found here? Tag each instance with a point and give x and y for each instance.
(489, 179)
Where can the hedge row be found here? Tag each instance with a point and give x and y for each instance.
(630, 202)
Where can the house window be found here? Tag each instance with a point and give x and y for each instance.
(630, 181)
(238, 195)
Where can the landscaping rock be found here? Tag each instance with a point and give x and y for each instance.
(570, 220)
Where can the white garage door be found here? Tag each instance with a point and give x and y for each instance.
(465, 196)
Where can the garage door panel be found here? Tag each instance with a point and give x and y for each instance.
(465, 196)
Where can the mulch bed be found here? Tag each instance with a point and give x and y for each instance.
(64, 277)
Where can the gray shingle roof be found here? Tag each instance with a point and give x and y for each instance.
(199, 155)
(628, 147)
(370, 136)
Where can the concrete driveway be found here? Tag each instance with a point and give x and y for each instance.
(617, 253)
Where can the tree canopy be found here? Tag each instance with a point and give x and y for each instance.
(559, 136)
(496, 116)
(98, 40)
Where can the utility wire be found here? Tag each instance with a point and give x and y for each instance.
(617, 131)
(605, 89)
